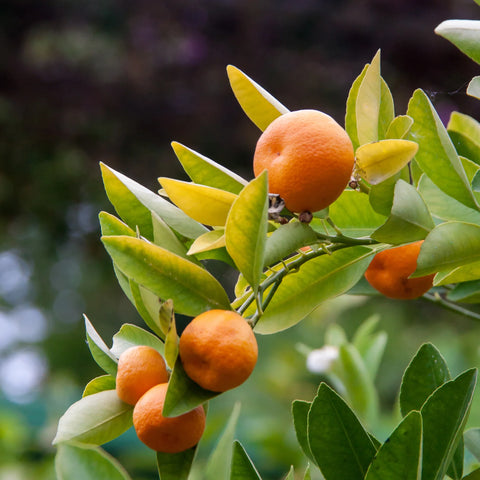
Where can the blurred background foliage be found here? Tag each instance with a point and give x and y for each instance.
(117, 81)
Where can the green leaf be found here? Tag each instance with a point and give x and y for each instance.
(318, 279)
(300, 409)
(464, 131)
(444, 416)
(353, 215)
(147, 305)
(242, 466)
(204, 171)
(291, 474)
(473, 88)
(286, 239)
(437, 156)
(95, 419)
(246, 229)
(307, 475)
(399, 127)
(164, 237)
(99, 384)
(111, 225)
(400, 457)
(351, 113)
(183, 394)
(443, 206)
(204, 204)
(219, 462)
(171, 343)
(381, 195)
(375, 162)
(467, 292)
(208, 241)
(341, 447)
(134, 204)
(465, 273)
(131, 336)
(474, 475)
(80, 462)
(449, 245)
(99, 350)
(426, 372)
(472, 442)
(409, 219)
(175, 466)
(464, 34)
(192, 289)
(261, 107)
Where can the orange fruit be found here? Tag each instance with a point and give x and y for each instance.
(139, 369)
(166, 434)
(389, 270)
(218, 350)
(309, 158)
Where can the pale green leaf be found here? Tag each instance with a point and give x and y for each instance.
(147, 305)
(473, 88)
(111, 225)
(467, 292)
(351, 113)
(164, 237)
(131, 336)
(464, 34)
(175, 466)
(399, 127)
(171, 344)
(381, 195)
(99, 384)
(261, 107)
(464, 131)
(99, 350)
(472, 442)
(465, 273)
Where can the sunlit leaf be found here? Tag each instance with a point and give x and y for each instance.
(375, 162)
(399, 127)
(473, 88)
(204, 171)
(449, 245)
(261, 107)
(437, 156)
(318, 279)
(131, 336)
(111, 225)
(99, 384)
(351, 114)
(192, 289)
(242, 467)
(95, 419)
(175, 466)
(164, 237)
(464, 131)
(467, 292)
(77, 461)
(464, 34)
(246, 229)
(409, 219)
(400, 457)
(99, 350)
(208, 241)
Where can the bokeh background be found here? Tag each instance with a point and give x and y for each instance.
(116, 81)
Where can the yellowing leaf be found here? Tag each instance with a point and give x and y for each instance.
(380, 160)
(208, 241)
(206, 205)
(256, 102)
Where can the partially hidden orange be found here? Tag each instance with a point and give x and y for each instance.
(139, 369)
(389, 273)
(166, 434)
(218, 350)
(309, 158)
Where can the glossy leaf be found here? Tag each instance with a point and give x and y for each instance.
(95, 419)
(99, 384)
(175, 466)
(192, 289)
(473, 88)
(409, 219)
(131, 336)
(464, 34)
(449, 245)
(300, 409)
(399, 127)
(204, 171)
(375, 162)
(261, 107)
(77, 461)
(134, 204)
(183, 394)
(444, 416)
(426, 372)
(467, 292)
(319, 279)
(341, 447)
(464, 131)
(437, 156)
(99, 350)
(242, 466)
(208, 241)
(246, 229)
(219, 462)
(286, 239)
(400, 457)
(204, 204)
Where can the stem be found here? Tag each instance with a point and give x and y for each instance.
(436, 298)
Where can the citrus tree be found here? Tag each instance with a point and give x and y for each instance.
(389, 205)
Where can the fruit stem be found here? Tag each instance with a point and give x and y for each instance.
(436, 298)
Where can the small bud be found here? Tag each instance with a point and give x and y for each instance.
(305, 217)
(321, 359)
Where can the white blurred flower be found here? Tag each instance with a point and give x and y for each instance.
(320, 360)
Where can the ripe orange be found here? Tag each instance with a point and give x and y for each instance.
(218, 350)
(389, 270)
(166, 434)
(309, 158)
(139, 369)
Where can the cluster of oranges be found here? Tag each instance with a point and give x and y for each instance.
(218, 351)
